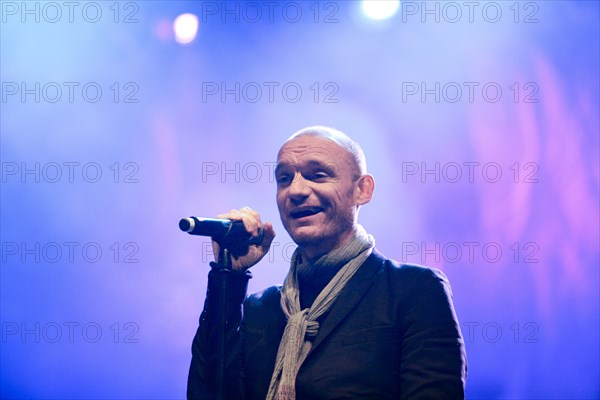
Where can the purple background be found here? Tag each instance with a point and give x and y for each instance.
(74, 328)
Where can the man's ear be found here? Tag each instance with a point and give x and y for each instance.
(365, 186)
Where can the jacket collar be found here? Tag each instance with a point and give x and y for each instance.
(349, 297)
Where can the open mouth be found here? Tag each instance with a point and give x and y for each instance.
(305, 212)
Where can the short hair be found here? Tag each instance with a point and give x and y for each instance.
(341, 139)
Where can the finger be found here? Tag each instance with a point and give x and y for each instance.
(234, 215)
(254, 214)
(256, 220)
(269, 235)
(249, 217)
(251, 220)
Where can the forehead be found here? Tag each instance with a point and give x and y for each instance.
(310, 149)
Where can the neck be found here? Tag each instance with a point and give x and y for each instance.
(312, 252)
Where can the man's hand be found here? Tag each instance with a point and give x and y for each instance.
(244, 255)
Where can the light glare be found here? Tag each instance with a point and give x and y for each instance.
(186, 28)
(380, 9)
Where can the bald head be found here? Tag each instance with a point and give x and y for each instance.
(341, 139)
(322, 181)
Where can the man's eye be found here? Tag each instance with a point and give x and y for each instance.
(282, 179)
(319, 176)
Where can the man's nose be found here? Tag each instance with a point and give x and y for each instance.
(299, 187)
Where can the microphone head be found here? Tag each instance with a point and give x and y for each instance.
(187, 224)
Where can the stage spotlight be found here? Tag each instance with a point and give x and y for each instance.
(380, 9)
(186, 28)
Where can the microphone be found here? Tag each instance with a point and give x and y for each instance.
(219, 229)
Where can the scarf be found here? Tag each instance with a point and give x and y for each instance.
(302, 325)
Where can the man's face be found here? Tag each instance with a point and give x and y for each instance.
(316, 192)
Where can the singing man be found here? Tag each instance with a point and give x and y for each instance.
(347, 323)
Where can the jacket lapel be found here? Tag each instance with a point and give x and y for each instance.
(349, 297)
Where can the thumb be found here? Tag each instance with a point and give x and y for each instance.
(269, 235)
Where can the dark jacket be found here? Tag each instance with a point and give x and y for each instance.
(391, 334)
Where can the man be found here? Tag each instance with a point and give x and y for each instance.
(347, 323)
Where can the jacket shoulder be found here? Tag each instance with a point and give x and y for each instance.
(411, 273)
(267, 297)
